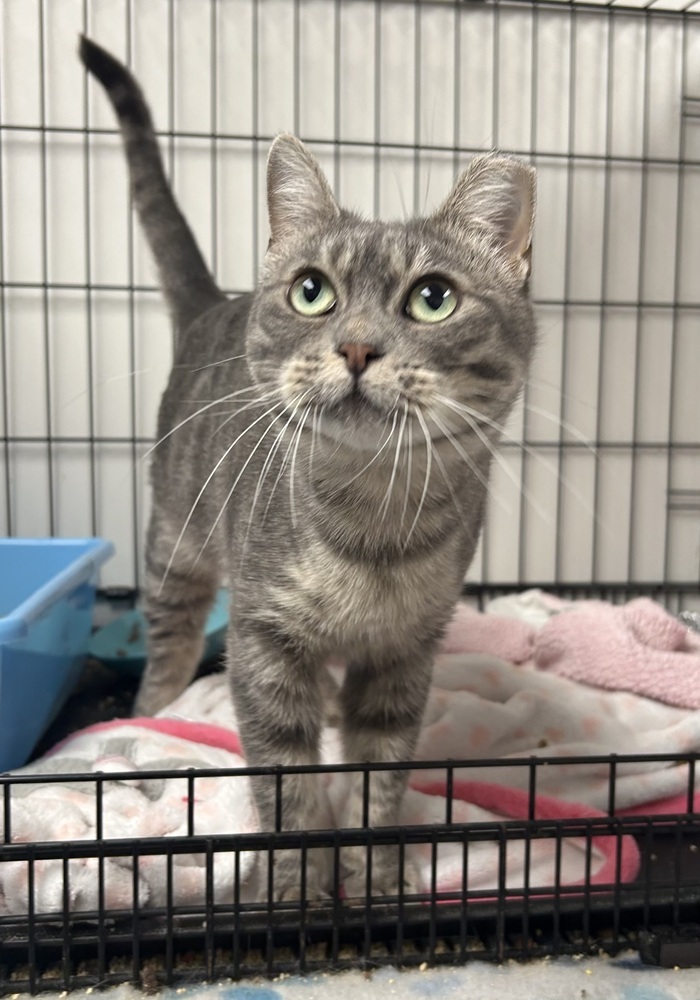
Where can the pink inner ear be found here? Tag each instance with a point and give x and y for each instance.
(520, 242)
(497, 193)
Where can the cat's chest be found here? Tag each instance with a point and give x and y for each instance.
(351, 601)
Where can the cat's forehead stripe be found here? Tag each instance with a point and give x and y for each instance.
(386, 252)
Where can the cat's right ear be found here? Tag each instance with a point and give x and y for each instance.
(497, 194)
(298, 194)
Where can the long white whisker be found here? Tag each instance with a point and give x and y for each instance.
(464, 409)
(508, 471)
(290, 450)
(376, 454)
(292, 504)
(99, 383)
(574, 431)
(457, 407)
(563, 395)
(283, 466)
(203, 409)
(314, 433)
(441, 466)
(409, 462)
(235, 484)
(262, 476)
(428, 467)
(390, 487)
(223, 361)
(206, 483)
(285, 459)
(501, 461)
(273, 451)
(238, 394)
(248, 406)
(214, 402)
(458, 448)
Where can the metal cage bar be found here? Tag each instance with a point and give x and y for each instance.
(95, 939)
(524, 75)
(603, 99)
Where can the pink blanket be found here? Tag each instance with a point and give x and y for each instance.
(636, 647)
(530, 699)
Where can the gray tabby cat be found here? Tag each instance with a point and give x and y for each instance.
(326, 442)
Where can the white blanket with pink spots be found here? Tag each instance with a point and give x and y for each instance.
(514, 683)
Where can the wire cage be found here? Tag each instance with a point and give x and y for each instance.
(107, 934)
(597, 486)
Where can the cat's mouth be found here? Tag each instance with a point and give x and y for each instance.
(355, 420)
(355, 405)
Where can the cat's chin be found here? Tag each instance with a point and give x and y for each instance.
(355, 435)
(356, 422)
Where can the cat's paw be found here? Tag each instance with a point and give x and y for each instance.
(385, 873)
(287, 877)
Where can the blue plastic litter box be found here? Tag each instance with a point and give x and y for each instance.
(47, 597)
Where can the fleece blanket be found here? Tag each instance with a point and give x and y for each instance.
(531, 677)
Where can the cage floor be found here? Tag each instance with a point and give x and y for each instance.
(573, 978)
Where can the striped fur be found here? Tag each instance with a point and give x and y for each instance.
(344, 508)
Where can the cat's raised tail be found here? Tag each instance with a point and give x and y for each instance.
(185, 278)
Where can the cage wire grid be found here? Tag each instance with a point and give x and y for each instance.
(597, 480)
(94, 927)
(597, 487)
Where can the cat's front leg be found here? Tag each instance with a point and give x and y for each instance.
(277, 696)
(382, 701)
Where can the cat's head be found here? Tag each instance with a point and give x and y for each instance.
(371, 321)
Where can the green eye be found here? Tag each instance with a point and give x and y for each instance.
(312, 294)
(431, 300)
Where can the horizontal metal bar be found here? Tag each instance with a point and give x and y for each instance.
(127, 289)
(355, 768)
(649, 10)
(335, 143)
(475, 832)
(536, 443)
(320, 914)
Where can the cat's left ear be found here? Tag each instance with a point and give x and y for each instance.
(298, 194)
(497, 193)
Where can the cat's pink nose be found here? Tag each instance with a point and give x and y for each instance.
(358, 356)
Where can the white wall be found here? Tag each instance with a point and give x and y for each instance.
(594, 98)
